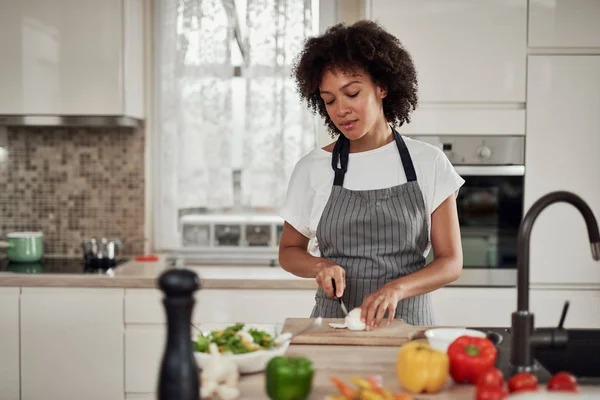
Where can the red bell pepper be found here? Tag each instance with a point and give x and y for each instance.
(469, 357)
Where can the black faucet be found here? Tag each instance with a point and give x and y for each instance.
(524, 336)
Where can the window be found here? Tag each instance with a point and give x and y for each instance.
(230, 126)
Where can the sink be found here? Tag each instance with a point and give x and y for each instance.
(579, 357)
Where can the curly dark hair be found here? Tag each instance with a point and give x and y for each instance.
(363, 45)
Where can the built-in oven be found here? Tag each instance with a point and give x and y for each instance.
(490, 203)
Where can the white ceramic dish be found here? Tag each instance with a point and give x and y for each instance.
(248, 363)
(441, 338)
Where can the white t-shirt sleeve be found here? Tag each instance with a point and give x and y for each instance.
(446, 180)
(299, 199)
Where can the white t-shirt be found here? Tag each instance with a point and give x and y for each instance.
(310, 184)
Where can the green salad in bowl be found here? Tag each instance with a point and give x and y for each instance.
(235, 340)
(250, 347)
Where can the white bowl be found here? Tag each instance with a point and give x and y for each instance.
(441, 338)
(248, 363)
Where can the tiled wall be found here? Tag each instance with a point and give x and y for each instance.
(73, 183)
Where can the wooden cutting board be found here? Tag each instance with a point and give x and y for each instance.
(395, 334)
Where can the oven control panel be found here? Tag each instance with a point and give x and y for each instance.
(479, 150)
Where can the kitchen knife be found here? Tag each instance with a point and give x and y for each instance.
(339, 298)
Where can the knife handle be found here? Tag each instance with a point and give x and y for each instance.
(334, 288)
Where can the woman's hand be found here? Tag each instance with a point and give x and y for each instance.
(375, 305)
(329, 270)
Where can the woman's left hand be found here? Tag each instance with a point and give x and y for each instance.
(377, 303)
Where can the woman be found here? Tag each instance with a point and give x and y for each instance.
(373, 200)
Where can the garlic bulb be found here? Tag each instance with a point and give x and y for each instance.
(220, 375)
(228, 392)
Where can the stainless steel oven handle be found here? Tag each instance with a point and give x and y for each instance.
(490, 170)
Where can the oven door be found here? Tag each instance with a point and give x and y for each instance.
(490, 209)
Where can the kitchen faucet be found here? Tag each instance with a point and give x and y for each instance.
(524, 336)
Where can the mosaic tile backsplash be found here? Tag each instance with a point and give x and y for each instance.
(71, 184)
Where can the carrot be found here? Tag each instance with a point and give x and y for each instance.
(344, 389)
(403, 396)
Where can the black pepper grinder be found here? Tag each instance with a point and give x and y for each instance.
(178, 371)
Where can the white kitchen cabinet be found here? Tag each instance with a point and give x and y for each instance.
(547, 307)
(140, 396)
(72, 343)
(144, 306)
(464, 51)
(469, 120)
(474, 307)
(494, 307)
(564, 23)
(72, 57)
(9, 344)
(563, 142)
(144, 347)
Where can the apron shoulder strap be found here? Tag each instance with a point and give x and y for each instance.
(341, 152)
(409, 168)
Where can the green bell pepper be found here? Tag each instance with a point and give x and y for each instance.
(289, 378)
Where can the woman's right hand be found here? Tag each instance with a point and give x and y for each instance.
(329, 270)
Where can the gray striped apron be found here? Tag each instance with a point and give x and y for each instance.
(376, 235)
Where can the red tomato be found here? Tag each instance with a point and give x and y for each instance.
(563, 382)
(487, 392)
(523, 382)
(491, 377)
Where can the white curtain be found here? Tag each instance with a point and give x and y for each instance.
(213, 126)
(195, 103)
(279, 128)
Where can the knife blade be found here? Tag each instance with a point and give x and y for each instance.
(339, 298)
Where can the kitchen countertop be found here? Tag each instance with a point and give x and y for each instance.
(135, 274)
(347, 361)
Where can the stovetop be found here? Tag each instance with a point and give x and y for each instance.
(60, 265)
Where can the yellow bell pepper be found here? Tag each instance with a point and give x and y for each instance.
(421, 369)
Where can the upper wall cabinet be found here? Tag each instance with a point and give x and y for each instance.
(465, 51)
(564, 23)
(72, 57)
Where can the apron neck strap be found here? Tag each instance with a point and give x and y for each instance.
(341, 151)
(409, 168)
